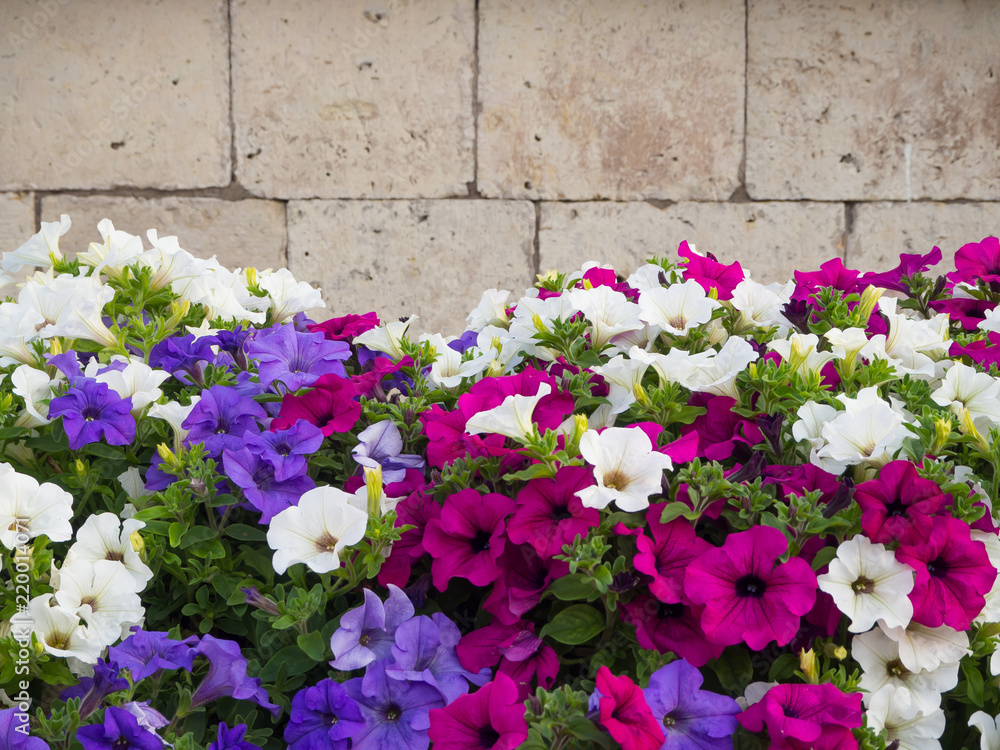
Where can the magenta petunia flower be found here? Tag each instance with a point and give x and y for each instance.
(801, 479)
(549, 515)
(416, 510)
(671, 628)
(977, 261)
(330, 405)
(522, 655)
(711, 274)
(968, 312)
(984, 352)
(625, 714)
(720, 429)
(345, 328)
(953, 575)
(909, 264)
(899, 505)
(665, 555)
(798, 717)
(748, 595)
(448, 440)
(492, 718)
(526, 576)
(468, 539)
(832, 273)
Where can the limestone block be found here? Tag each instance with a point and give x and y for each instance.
(116, 93)
(354, 99)
(430, 258)
(770, 240)
(17, 224)
(633, 99)
(873, 101)
(881, 231)
(241, 233)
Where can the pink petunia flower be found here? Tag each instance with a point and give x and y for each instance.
(909, 264)
(491, 718)
(748, 595)
(671, 628)
(720, 429)
(468, 539)
(984, 352)
(711, 274)
(899, 505)
(801, 717)
(330, 405)
(522, 655)
(665, 555)
(977, 261)
(417, 509)
(625, 713)
(346, 327)
(953, 575)
(549, 515)
(526, 576)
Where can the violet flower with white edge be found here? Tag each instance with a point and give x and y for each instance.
(316, 531)
(627, 468)
(380, 446)
(867, 584)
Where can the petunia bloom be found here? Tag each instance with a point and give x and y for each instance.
(367, 633)
(92, 412)
(232, 739)
(549, 515)
(395, 711)
(625, 714)
(627, 467)
(691, 718)
(15, 731)
(899, 505)
(295, 359)
(120, 731)
(227, 676)
(221, 418)
(323, 716)
(798, 717)
(492, 718)
(748, 595)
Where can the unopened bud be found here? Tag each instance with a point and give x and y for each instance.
(807, 665)
(80, 468)
(251, 274)
(835, 651)
(640, 395)
(942, 433)
(968, 427)
(168, 456)
(539, 324)
(373, 482)
(713, 293)
(138, 544)
(869, 299)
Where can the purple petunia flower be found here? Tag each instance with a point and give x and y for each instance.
(692, 719)
(296, 359)
(230, 345)
(286, 450)
(227, 676)
(323, 716)
(395, 711)
(94, 690)
(367, 633)
(260, 485)
(425, 652)
(15, 732)
(220, 419)
(146, 652)
(92, 413)
(232, 739)
(184, 357)
(380, 446)
(120, 731)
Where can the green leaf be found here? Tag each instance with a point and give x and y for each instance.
(783, 668)
(245, 532)
(570, 587)
(294, 659)
(574, 625)
(823, 557)
(532, 472)
(175, 532)
(974, 682)
(734, 669)
(194, 535)
(677, 509)
(313, 645)
(154, 511)
(102, 451)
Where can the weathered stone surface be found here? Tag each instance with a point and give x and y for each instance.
(881, 231)
(354, 99)
(632, 99)
(246, 233)
(873, 101)
(121, 93)
(770, 240)
(430, 258)
(17, 220)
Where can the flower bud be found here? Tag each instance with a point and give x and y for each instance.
(807, 665)
(640, 395)
(869, 299)
(138, 544)
(834, 651)
(942, 433)
(373, 482)
(539, 324)
(168, 456)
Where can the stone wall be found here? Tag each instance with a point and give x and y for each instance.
(407, 154)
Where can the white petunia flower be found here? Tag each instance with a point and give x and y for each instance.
(676, 366)
(104, 537)
(174, 413)
(316, 531)
(965, 388)
(990, 322)
(27, 507)
(610, 313)
(868, 431)
(118, 250)
(878, 656)
(501, 351)
(491, 310)
(991, 611)
(646, 278)
(78, 304)
(987, 726)
(19, 326)
(532, 314)
(386, 338)
(138, 381)
(448, 370)
(799, 351)
(895, 710)
(170, 263)
(40, 248)
(812, 416)
(133, 484)
(511, 419)
(923, 648)
(35, 388)
(677, 308)
(912, 347)
(60, 632)
(627, 468)
(761, 306)
(867, 583)
(718, 373)
(103, 593)
(623, 376)
(288, 296)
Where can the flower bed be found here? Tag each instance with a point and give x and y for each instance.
(680, 510)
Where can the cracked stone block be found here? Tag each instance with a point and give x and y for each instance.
(770, 240)
(881, 231)
(242, 234)
(430, 258)
(17, 224)
(121, 93)
(354, 99)
(589, 99)
(862, 101)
